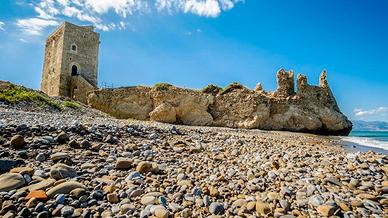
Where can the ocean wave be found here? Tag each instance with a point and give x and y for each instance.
(368, 142)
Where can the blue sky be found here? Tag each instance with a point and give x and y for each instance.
(192, 43)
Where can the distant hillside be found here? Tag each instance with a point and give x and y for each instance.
(359, 125)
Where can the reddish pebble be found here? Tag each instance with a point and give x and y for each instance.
(38, 194)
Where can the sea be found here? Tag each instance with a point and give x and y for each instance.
(367, 140)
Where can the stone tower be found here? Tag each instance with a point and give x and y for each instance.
(71, 62)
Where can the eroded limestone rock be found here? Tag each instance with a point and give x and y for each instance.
(310, 108)
(286, 85)
(165, 113)
(131, 102)
(191, 107)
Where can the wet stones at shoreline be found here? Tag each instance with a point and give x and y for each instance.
(139, 170)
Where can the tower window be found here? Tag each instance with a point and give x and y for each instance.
(74, 48)
(74, 70)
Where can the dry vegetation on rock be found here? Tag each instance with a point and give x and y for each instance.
(212, 89)
(231, 87)
(161, 86)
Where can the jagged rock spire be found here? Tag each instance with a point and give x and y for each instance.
(301, 82)
(259, 87)
(323, 80)
(286, 85)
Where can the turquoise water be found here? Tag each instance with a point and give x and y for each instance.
(368, 140)
(377, 135)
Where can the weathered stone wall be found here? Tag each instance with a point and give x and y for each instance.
(60, 57)
(311, 109)
(168, 104)
(80, 88)
(86, 55)
(131, 102)
(51, 74)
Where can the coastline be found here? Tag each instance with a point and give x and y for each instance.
(355, 147)
(356, 143)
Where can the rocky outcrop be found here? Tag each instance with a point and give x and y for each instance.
(123, 103)
(310, 108)
(190, 106)
(240, 108)
(164, 113)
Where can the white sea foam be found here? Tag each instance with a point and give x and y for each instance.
(368, 142)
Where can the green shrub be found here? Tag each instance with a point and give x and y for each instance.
(71, 104)
(14, 94)
(211, 89)
(231, 87)
(162, 86)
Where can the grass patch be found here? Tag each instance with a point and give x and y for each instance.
(71, 104)
(211, 89)
(231, 87)
(162, 86)
(14, 94)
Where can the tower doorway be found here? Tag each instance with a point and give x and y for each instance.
(74, 70)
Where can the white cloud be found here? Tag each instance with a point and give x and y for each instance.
(49, 12)
(80, 15)
(380, 111)
(47, 9)
(227, 4)
(2, 24)
(122, 25)
(35, 26)
(121, 7)
(42, 13)
(207, 8)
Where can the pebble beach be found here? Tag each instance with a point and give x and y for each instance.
(86, 164)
